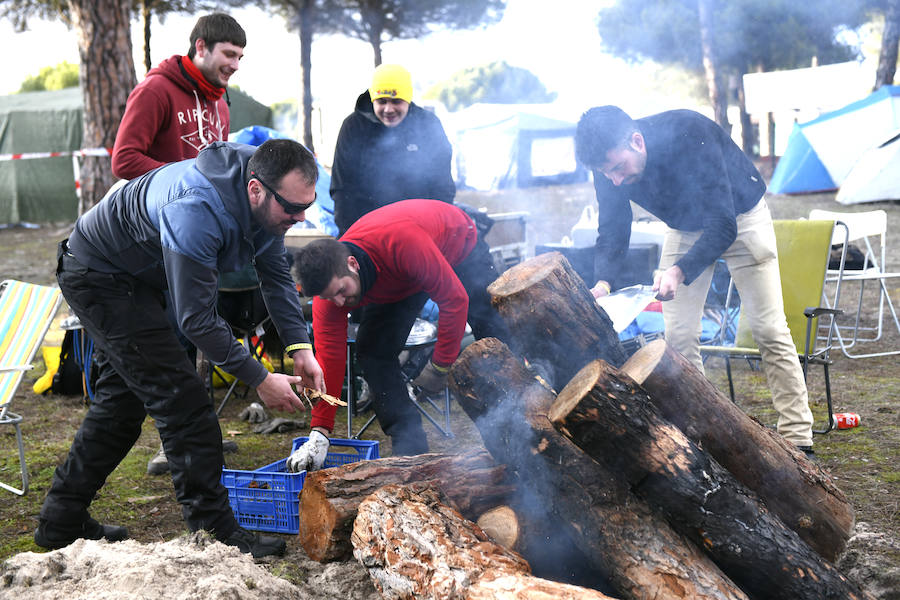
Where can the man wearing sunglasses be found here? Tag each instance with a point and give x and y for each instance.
(177, 228)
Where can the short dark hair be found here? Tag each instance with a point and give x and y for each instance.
(215, 28)
(601, 129)
(318, 262)
(277, 157)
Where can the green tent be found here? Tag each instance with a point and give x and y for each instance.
(41, 190)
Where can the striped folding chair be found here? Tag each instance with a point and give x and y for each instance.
(26, 312)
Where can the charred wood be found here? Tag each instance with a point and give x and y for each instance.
(613, 420)
(620, 535)
(803, 495)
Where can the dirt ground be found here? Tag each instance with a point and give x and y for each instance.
(863, 460)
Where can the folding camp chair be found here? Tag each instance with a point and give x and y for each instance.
(868, 229)
(26, 312)
(804, 248)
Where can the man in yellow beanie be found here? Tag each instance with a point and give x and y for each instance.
(388, 149)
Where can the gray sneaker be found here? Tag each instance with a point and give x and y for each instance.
(159, 464)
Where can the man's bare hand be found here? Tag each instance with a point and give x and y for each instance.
(307, 367)
(277, 392)
(665, 283)
(601, 289)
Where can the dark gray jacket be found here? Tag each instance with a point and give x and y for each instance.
(177, 228)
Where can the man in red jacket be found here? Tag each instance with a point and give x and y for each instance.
(389, 263)
(179, 109)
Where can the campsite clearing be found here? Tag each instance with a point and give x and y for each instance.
(864, 460)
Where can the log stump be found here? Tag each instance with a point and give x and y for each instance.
(553, 317)
(612, 419)
(415, 547)
(803, 495)
(330, 498)
(640, 555)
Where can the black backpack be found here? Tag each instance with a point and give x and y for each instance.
(69, 377)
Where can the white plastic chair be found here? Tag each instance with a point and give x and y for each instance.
(869, 230)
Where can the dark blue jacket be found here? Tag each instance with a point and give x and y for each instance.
(696, 179)
(177, 227)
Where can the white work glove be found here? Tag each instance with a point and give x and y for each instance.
(432, 379)
(311, 455)
(255, 413)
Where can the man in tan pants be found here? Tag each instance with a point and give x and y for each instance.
(684, 169)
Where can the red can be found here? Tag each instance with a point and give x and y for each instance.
(846, 420)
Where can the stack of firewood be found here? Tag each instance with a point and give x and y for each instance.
(637, 480)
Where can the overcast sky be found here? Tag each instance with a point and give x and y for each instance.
(559, 44)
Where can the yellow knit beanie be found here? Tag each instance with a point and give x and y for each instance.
(391, 81)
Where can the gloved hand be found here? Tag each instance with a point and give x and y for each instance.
(311, 455)
(432, 379)
(254, 413)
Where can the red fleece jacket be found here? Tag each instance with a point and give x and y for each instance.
(414, 245)
(166, 119)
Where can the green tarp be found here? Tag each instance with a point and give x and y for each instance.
(42, 190)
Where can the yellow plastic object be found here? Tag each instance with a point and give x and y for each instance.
(51, 361)
(223, 379)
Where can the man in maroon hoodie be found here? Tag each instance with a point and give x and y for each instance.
(179, 109)
(175, 112)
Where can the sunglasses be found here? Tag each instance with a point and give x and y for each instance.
(289, 207)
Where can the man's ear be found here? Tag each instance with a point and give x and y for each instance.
(637, 142)
(200, 47)
(256, 197)
(352, 264)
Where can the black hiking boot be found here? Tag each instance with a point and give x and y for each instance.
(51, 536)
(255, 544)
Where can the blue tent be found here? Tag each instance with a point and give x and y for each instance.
(820, 153)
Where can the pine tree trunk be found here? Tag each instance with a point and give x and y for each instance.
(416, 547)
(107, 77)
(554, 318)
(620, 536)
(890, 41)
(800, 493)
(612, 419)
(330, 498)
(306, 26)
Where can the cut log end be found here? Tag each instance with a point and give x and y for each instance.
(513, 281)
(641, 364)
(502, 525)
(575, 390)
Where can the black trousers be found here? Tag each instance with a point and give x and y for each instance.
(382, 336)
(142, 370)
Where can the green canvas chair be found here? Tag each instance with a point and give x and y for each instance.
(804, 248)
(26, 312)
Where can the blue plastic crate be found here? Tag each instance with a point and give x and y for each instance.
(268, 498)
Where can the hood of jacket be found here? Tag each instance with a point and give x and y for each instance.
(171, 69)
(225, 166)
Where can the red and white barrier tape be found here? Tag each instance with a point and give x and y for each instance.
(75, 153)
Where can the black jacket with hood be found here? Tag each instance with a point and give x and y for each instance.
(376, 165)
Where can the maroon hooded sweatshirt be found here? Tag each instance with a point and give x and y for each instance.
(167, 119)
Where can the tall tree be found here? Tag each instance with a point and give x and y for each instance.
(746, 35)
(890, 44)
(106, 71)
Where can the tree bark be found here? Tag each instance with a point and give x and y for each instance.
(718, 94)
(623, 539)
(416, 547)
(551, 314)
(306, 27)
(107, 77)
(330, 498)
(890, 41)
(799, 492)
(612, 419)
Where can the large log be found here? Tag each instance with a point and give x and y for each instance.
(553, 318)
(330, 498)
(612, 419)
(631, 545)
(802, 494)
(416, 547)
